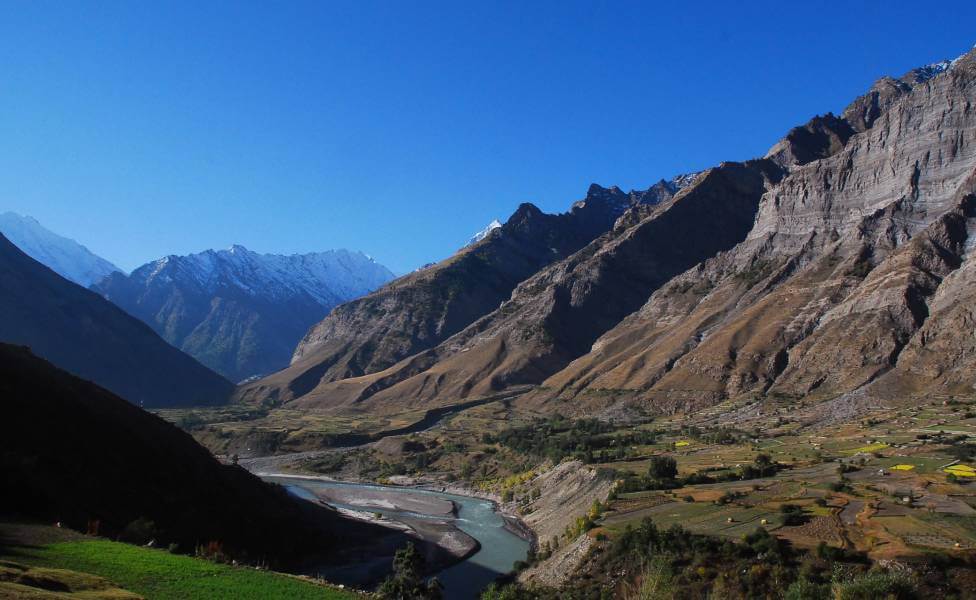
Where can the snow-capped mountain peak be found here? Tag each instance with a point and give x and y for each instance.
(329, 277)
(240, 312)
(495, 224)
(62, 255)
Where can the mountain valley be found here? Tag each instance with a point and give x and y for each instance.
(754, 380)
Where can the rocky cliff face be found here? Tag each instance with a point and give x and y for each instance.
(422, 309)
(835, 288)
(239, 312)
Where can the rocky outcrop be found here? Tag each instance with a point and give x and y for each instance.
(566, 491)
(831, 290)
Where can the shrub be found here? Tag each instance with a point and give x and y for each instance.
(656, 583)
(140, 531)
(407, 580)
(876, 584)
(792, 514)
(212, 550)
(663, 467)
(803, 589)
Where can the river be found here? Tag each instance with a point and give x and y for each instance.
(500, 548)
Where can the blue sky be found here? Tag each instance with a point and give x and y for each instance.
(143, 129)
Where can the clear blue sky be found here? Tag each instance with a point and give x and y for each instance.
(399, 128)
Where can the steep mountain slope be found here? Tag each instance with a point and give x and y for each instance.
(808, 273)
(75, 453)
(82, 332)
(64, 256)
(419, 310)
(239, 312)
(554, 316)
(849, 278)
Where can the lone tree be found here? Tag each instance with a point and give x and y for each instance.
(407, 582)
(663, 467)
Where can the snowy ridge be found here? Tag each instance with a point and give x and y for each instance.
(62, 255)
(680, 182)
(923, 74)
(329, 277)
(484, 232)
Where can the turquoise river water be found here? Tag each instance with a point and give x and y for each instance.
(500, 548)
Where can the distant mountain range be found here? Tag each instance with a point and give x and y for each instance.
(239, 312)
(64, 256)
(83, 333)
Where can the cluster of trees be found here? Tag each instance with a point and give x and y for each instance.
(762, 466)
(589, 440)
(662, 474)
(718, 435)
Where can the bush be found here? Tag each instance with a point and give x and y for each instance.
(212, 550)
(656, 582)
(876, 585)
(803, 589)
(141, 532)
(407, 578)
(508, 592)
(840, 486)
(663, 467)
(792, 514)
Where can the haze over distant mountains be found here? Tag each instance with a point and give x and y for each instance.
(239, 312)
(83, 333)
(65, 256)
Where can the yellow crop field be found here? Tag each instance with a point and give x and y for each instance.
(961, 471)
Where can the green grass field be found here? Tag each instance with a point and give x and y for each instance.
(159, 575)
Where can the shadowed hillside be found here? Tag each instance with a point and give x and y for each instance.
(80, 331)
(73, 452)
